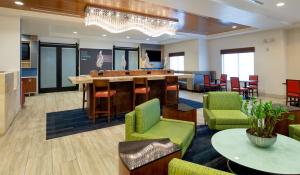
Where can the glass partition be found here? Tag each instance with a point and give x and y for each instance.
(48, 67)
(68, 58)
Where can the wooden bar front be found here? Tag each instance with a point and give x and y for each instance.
(122, 101)
(123, 84)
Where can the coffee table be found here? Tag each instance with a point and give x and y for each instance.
(180, 111)
(147, 157)
(282, 158)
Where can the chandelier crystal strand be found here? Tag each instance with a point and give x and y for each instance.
(118, 22)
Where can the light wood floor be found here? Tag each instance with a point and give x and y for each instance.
(25, 151)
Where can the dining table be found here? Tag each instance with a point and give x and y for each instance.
(246, 84)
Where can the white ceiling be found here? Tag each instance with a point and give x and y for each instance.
(66, 29)
(288, 14)
(245, 12)
(261, 17)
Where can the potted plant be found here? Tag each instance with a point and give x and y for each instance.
(263, 117)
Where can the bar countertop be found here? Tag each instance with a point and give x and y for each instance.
(88, 79)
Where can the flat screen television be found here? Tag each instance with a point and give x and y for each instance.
(25, 51)
(154, 55)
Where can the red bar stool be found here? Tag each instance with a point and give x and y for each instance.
(235, 86)
(101, 89)
(253, 84)
(140, 87)
(171, 85)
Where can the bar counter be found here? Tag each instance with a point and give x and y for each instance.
(123, 100)
(87, 79)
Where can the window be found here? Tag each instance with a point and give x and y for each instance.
(238, 62)
(177, 61)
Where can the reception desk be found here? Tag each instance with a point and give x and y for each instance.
(124, 87)
(9, 99)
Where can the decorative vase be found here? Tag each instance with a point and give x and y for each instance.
(262, 142)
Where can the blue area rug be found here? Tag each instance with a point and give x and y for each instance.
(194, 104)
(202, 152)
(75, 121)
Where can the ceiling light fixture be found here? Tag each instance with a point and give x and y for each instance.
(104, 35)
(19, 3)
(148, 39)
(75, 32)
(117, 22)
(257, 2)
(280, 4)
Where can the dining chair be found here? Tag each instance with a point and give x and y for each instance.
(253, 84)
(208, 85)
(292, 91)
(223, 81)
(235, 86)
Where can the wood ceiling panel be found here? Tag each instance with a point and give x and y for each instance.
(188, 22)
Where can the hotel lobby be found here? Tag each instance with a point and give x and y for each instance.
(149, 87)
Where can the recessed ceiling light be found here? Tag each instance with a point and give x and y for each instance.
(148, 39)
(104, 35)
(75, 32)
(127, 37)
(280, 4)
(234, 27)
(19, 3)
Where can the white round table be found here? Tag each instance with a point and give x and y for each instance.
(281, 158)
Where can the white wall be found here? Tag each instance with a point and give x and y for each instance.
(95, 44)
(58, 40)
(203, 57)
(103, 44)
(293, 53)
(270, 58)
(10, 61)
(195, 53)
(10, 43)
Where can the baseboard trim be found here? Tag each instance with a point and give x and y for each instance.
(272, 95)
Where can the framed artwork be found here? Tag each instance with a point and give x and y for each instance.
(95, 59)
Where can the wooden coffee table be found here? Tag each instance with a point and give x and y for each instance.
(180, 111)
(147, 157)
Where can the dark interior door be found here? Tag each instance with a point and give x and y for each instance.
(56, 63)
(131, 56)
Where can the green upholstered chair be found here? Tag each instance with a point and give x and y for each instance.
(145, 122)
(222, 110)
(181, 167)
(294, 131)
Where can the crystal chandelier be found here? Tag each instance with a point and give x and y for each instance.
(117, 22)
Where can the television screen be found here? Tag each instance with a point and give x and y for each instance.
(154, 55)
(25, 51)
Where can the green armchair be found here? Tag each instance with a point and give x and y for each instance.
(222, 110)
(294, 132)
(145, 123)
(181, 167)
